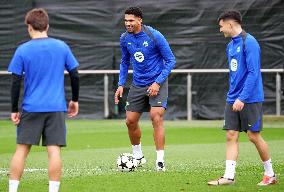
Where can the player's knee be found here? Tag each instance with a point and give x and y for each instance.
(253, 137)
(156, 117)
(130, 122)
(232, 136)
(23, 150)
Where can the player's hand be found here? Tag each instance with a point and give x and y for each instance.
(153, 90)
(118, 94)
(15, 117)
(238, 105)
(73, 109)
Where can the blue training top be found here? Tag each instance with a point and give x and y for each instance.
(152, 59)
(43, 62)
(245, 75)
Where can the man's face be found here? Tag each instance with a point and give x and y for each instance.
(132, 23)
(226, 27)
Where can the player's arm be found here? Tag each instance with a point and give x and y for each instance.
(238, 105)
(71, 65)
(16, 67)
(73, 107)
(124, 66)
(15, 94)
(170, 62)
(75, 84)
(167, 55)
(252, 52)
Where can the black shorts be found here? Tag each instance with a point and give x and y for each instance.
(48, 125)
(139, 101)
(249, 118)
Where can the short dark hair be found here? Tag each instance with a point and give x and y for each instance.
(136, 11)
(232, 14)
(38, 19)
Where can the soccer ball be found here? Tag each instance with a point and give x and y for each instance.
(126, 162)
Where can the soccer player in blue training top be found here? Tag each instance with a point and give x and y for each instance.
(152, 60)
(243, 111)
(42, 60)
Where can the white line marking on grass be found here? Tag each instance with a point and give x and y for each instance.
(2, 171)
(30, 170)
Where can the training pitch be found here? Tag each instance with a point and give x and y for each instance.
(194, 154)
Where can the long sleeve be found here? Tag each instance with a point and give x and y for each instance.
(252, 54)
(124, 65)
(168, 57)
(75, 84)
(15, 92)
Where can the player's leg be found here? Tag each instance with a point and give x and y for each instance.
(262, 148)
(54, 167)
(136, 104)
(28, 134)
(18, 161)
(260, 144)
(17, 166)
(231, 158)
(232, 148)
(134, 133)
(158, 107)
(157, 118)
(253, 113)
(54, 137)
(232, 126)
(253, 126)
(54, 162)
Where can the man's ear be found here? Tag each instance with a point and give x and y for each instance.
(30, 28)
(231, 23)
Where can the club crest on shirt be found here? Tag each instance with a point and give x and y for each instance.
(234, 65)
(238, 49)
(145, 44)
(139, 56)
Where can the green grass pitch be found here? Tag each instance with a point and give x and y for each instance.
(195, 153)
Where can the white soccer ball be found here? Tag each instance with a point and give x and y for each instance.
(126, 162)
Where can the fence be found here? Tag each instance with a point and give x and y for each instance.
(187, 72)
